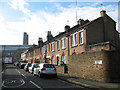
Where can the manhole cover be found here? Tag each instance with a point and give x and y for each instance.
(13, 82)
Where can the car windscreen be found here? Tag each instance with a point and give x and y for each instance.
(49, 66)
(35, 65)
(29, 64)
(23, 63)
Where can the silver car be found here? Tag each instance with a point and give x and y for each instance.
(31, 68)
(45, 69)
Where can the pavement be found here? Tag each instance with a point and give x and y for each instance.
(88, 83)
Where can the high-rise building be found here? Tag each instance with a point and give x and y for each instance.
(25, 39)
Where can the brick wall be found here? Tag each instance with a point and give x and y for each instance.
(83, 66)
(60, 69)
(57, 53)
(95, 32)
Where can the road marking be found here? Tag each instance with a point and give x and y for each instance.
(19, 72)
(36, 85)
(11, 83)
(24, 76)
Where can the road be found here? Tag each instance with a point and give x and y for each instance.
(13, 77)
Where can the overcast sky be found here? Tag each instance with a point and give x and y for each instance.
(36, 17)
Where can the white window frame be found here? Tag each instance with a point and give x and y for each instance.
(44, 49)
(53, 48)
(81, 38)
(53, 59)
(74, 40)
(58, 45)
(63, 59)
(63, 43)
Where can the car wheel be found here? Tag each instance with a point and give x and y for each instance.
(39, 75)
(55, 76)
(33, 74)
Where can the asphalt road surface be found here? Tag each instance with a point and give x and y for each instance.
(13, 77)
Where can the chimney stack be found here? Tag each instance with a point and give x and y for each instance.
(67, 27)
(82, 22)
(49, 36)
(40, 41)
(103, 13)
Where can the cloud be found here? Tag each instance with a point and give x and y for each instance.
(20, 5)
(36, 24)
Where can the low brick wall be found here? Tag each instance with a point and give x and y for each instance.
(60, 69)
(102, 66)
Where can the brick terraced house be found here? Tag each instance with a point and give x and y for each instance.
(86, 36)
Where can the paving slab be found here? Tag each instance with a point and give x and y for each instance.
(88, 83)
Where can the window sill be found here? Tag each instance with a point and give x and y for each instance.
(53, 51)
(81, 44)
(58, 49)
(74, 46)
(63, 48)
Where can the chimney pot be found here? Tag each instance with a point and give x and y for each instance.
(40, 41)
(103, 13)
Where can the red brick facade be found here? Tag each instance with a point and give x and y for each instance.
(99, 34)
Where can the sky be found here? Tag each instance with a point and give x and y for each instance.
(37, 17)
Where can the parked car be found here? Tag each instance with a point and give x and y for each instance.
(31, 68)
(45, 69)
(26, 68)
(22, 65)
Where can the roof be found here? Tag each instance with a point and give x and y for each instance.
(72, 30)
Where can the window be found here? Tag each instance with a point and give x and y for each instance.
(81, 37)
(49, 66)
(40, 60)
(63, 59)
(53, 60)
(63, 43)
(44, 49)
(53, 44)
(58, 45)
(74, 39)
